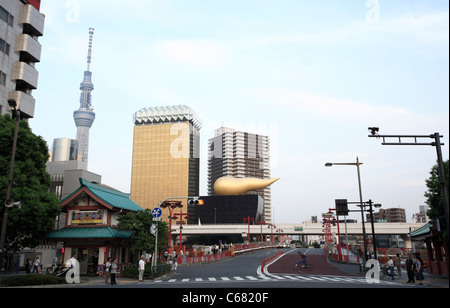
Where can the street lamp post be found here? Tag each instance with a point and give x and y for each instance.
(171, 205)
(181, 224)
(9, 202)
(271, 226)
(261, 222)
(248, 219)
(357, 164)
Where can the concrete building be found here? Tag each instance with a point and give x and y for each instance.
(21, 24)
(240, 155)
(389, 215)
(166, 155)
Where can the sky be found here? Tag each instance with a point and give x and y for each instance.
(311, 75)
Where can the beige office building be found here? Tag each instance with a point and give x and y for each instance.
(165, 156)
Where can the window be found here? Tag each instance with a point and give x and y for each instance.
(4, 47)
(2, 78)
(6, 16)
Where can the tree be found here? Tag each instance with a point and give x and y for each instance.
(140, 222)
(434, 194)
(29, 225)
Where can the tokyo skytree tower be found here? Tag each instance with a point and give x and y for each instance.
(85, 116)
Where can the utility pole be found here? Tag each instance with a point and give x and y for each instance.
(416, 140)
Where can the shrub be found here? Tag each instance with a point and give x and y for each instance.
(31, 280)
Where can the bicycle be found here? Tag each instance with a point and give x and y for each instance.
(299, 266)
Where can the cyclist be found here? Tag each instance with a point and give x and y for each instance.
(302, 259)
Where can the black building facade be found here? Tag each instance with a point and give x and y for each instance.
(227, 209)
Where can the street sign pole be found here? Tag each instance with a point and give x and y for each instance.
(156, 213)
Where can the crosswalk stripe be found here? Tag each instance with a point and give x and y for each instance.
(271, 277)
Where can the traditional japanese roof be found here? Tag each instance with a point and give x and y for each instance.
(422, 232)
(108, 196)
(90, 233)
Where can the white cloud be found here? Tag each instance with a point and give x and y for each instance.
(192, 52)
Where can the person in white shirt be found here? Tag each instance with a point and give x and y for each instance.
(141, 268)
(107, 270)
(390, 264)
(36, 265)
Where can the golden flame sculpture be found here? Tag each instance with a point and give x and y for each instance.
(227, 185)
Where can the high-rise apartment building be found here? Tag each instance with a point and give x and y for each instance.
(389, 215)
(21, 24)
(85, 116)
(166, 161)
(240, 155)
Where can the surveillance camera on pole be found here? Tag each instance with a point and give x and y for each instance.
(9, 203)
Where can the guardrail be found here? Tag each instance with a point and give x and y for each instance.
(239, 248)
(269, 259)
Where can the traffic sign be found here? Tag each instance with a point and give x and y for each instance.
(156, 212)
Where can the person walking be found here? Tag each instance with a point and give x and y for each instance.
(107, 270)
(141, 269)
(410, 269)
(398, 264)
(36, 265)
(113, 272)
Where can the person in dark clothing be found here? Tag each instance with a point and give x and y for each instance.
(410, 269)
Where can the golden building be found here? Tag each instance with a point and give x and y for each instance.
(166, 162)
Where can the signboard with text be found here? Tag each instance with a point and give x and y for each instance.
(87, 217)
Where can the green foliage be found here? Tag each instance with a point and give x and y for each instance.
(31, 280)
(434, 193)
(29, 225)
(435, 198)
(140, 222)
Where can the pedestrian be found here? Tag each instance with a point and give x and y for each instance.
(73, 261)
(27, 266)
(141, 268)
(95, 263)
(113, 272)
(107, 268)
(410, 269)
(390, 265)
(419, 269)
(36, 265)
(398, 264)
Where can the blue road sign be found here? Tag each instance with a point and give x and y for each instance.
(156, 212)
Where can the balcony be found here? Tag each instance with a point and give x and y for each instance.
(32, 20)
(25, 103)
(29, 48)
(25, 73)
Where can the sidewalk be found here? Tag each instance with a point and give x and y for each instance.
(431, 281)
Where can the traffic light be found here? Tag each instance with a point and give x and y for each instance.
(341, 207)
(196, 201)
